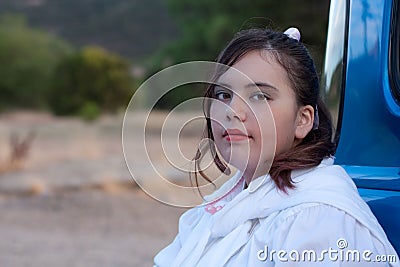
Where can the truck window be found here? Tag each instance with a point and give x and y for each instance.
(394, 53)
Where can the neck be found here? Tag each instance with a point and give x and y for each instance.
(249, 175)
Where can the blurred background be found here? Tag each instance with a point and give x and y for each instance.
(68, 69)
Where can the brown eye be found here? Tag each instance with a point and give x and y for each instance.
(260, 96)
(222, 95)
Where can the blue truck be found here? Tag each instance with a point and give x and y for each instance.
(361, 85)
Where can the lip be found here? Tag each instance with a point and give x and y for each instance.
(232, 135)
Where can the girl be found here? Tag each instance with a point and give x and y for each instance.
(288, 205)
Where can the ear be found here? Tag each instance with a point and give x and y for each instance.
(305, 119)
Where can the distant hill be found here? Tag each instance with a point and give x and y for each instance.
(132, 28)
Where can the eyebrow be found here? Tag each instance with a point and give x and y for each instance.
(250, 85)
(261, 85)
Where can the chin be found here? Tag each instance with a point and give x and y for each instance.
(240, 164)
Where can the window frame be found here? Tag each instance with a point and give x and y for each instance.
(342, 69)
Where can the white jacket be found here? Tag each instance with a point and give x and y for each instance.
(322, 222)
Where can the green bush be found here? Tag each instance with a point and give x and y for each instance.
(28, 57)
(90, 75)
(89, 111)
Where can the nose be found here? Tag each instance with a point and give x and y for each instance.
(237, 108)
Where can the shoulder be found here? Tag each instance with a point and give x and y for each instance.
(316, 217)
(327, 180)
(301, 218)
(324, 175)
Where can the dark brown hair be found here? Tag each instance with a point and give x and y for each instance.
(294, 57)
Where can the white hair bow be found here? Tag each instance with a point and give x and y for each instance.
(293, 33)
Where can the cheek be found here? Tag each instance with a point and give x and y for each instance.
(285, 133)
(264, 123)
(216, 115)
(267, 137)
(215, 128)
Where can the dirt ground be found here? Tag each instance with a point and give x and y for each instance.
(72, 202)
(84, 228)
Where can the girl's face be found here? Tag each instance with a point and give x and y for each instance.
(257, 117)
